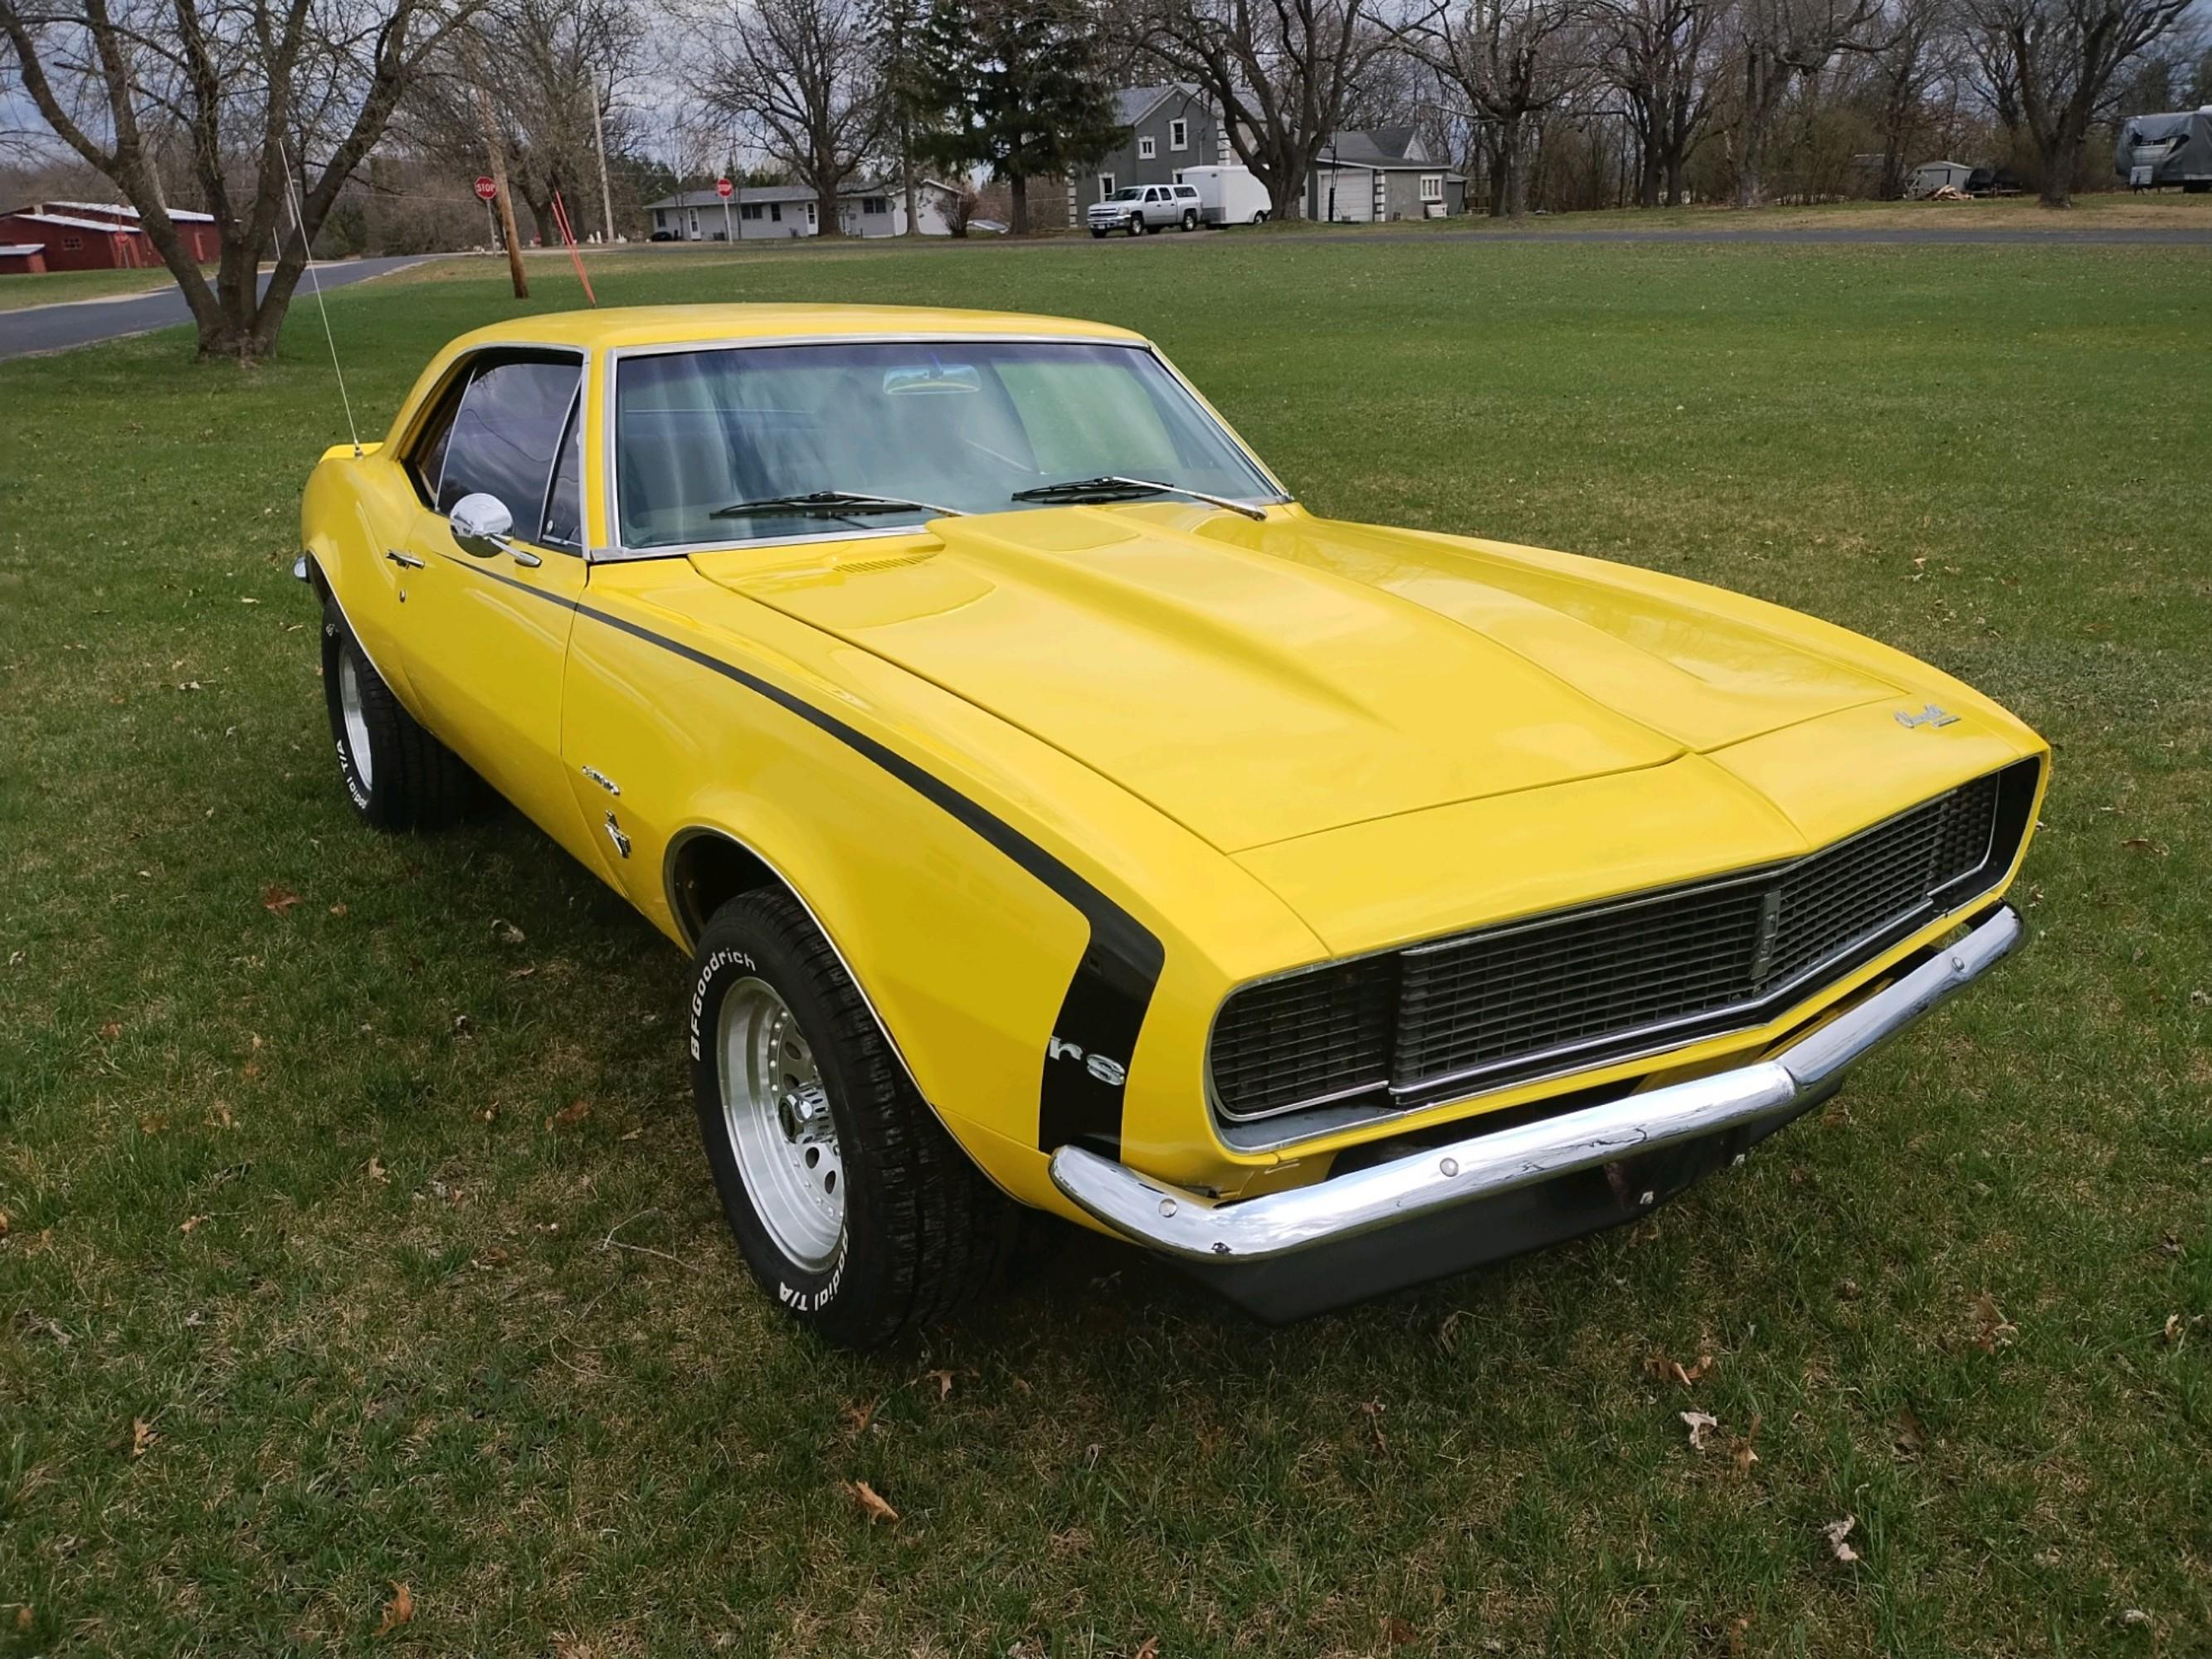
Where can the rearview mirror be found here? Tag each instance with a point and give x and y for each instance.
(480, 523)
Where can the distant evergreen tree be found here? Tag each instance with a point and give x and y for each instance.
(1018, 87)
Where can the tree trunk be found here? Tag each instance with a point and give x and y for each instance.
(2060, 158)
(1676, 196)
(1018, 196)
(826, 222)
(1509, 191)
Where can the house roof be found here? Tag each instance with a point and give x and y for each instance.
(783, 193)
(7, 248)
(1133, 103)
(1382, 150)
(180, 215)
(109, 226)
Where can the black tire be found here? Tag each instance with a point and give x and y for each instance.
(1189, 219)
(1098, 234)
(921, 1230)
(1259, 217)
(2196, 186)
(1136, 224)
(406, 780)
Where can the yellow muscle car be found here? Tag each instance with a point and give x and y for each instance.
(1057, 813)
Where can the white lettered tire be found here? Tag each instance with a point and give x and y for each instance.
(854, 1209)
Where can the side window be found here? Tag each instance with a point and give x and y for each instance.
(425, 460)
(564, 503)
(506, 435)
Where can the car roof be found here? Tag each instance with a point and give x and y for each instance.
(643, 325)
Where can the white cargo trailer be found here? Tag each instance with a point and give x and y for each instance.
(1227, 196)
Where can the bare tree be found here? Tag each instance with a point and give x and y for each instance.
(1921, 48)
(1514, 62)
(1280, 71)
(1660, 54)
(551, 69)
(804, 77)
(2063, 57)
(1780, 43)
(258, 88)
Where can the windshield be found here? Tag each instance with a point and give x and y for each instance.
(961, 423)
(1132, 193)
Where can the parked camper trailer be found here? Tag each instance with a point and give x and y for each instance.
(1931, 176)
(2158, 151)
(1227, 196)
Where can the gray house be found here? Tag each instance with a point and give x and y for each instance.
(1171, 127)
(1361, 177)
(772, 212)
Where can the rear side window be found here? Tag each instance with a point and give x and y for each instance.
(506, 434)
(426, 461)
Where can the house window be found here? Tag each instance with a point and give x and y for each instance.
(775, 212)
(879, 204)
(1178, 135)
(71, 244)
(1147, 150)
(810, 215)
(1105, 185)
(1432, 188)
(749, 210)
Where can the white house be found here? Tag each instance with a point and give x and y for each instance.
(771, 212)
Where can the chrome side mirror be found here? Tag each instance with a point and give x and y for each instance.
(481, 524)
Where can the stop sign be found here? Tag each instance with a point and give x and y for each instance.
(723, 187)
(485, 189)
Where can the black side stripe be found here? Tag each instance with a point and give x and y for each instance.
(1085, 1063)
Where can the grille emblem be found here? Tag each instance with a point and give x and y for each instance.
(1929, 715)
(1769, 927)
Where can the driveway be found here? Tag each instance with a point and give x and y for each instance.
(59, 327)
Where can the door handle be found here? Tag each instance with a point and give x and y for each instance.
(524, 557)
(408, 560)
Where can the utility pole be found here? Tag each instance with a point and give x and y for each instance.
(599, 142)
(498, 182)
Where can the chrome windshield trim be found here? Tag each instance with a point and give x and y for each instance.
(1192, 1227)
(618, 550)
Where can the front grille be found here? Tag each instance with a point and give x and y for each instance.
(1395, 1030)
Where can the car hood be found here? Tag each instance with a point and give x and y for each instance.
(1259, 682)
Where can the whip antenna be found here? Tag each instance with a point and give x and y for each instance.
(299, 220)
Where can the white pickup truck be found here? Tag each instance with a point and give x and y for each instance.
(1136, 208)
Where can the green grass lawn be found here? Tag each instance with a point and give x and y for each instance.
(305, 1291)
(53, 288)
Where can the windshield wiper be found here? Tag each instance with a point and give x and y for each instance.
(833, 503)
(1114, 484)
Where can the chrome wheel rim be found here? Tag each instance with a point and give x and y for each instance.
(777, 1117)
(356, 721)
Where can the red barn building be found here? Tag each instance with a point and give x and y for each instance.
(102, 235)
(19, 259)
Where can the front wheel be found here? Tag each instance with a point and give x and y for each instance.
(397, 775)
(854, 1209)
(1136, 224)
(1189, 219)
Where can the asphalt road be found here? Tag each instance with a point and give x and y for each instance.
(2066, 236)
(58, 328)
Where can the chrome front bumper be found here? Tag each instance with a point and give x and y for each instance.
(1192, 1228)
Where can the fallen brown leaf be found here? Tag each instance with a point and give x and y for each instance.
(2174, 1328)
(505, 932)
(857, 1417)
(398, 1610)
(376, 1170)
(1906, 1436)
(3, 1224)
(142, 1435)
(1147, 1648)
(944, 1381)
(1700, 1423)
(2140, 844)
(872, 1503)
(337, 909)
(189, 1223)
(1992, 1329)
(152, 1123)
(277, 899)
(1838, 1531)
(569, 1115)
(1398, 1632)
(23, 1617)
(1740, 1446)
(112, 1031)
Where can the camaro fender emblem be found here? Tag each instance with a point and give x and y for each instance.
(1112, 1073)
(1929, 715)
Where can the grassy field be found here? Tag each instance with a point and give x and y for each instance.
(53, 288)
(316, 1283)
